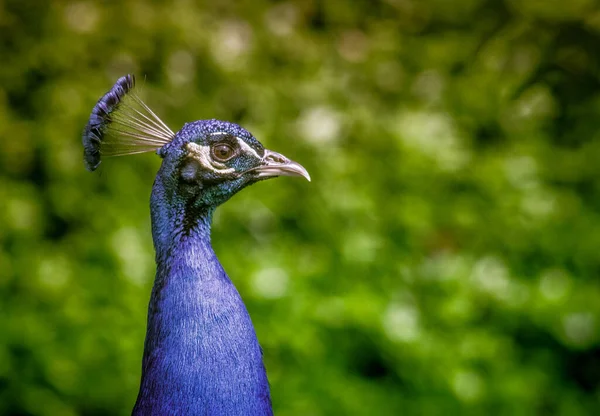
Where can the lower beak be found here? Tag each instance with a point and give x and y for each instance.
(275, 164)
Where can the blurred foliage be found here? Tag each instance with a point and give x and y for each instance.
(444, 260)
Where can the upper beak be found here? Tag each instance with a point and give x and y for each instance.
(275, 164)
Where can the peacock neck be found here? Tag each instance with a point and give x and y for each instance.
(201, 354)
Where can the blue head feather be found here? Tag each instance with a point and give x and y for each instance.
(199, 131)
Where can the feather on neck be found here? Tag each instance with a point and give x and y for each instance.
(201, 354)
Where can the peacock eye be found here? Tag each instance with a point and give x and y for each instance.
(222, 152)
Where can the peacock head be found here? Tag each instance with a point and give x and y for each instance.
(207, 161)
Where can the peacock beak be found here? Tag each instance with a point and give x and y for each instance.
(276, 164)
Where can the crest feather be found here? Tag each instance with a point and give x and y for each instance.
(122, 124)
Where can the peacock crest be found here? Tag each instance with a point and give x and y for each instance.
(122, 124)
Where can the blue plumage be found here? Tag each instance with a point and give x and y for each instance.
(201, 354)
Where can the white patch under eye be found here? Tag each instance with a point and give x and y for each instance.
(202, 155)
(246, 148)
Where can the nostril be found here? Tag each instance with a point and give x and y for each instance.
(275, 158)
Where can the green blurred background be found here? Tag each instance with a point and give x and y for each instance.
(444, 260)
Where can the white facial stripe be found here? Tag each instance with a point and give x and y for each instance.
(244, 146)
(202, 155)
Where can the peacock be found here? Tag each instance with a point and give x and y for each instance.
(201, 353)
